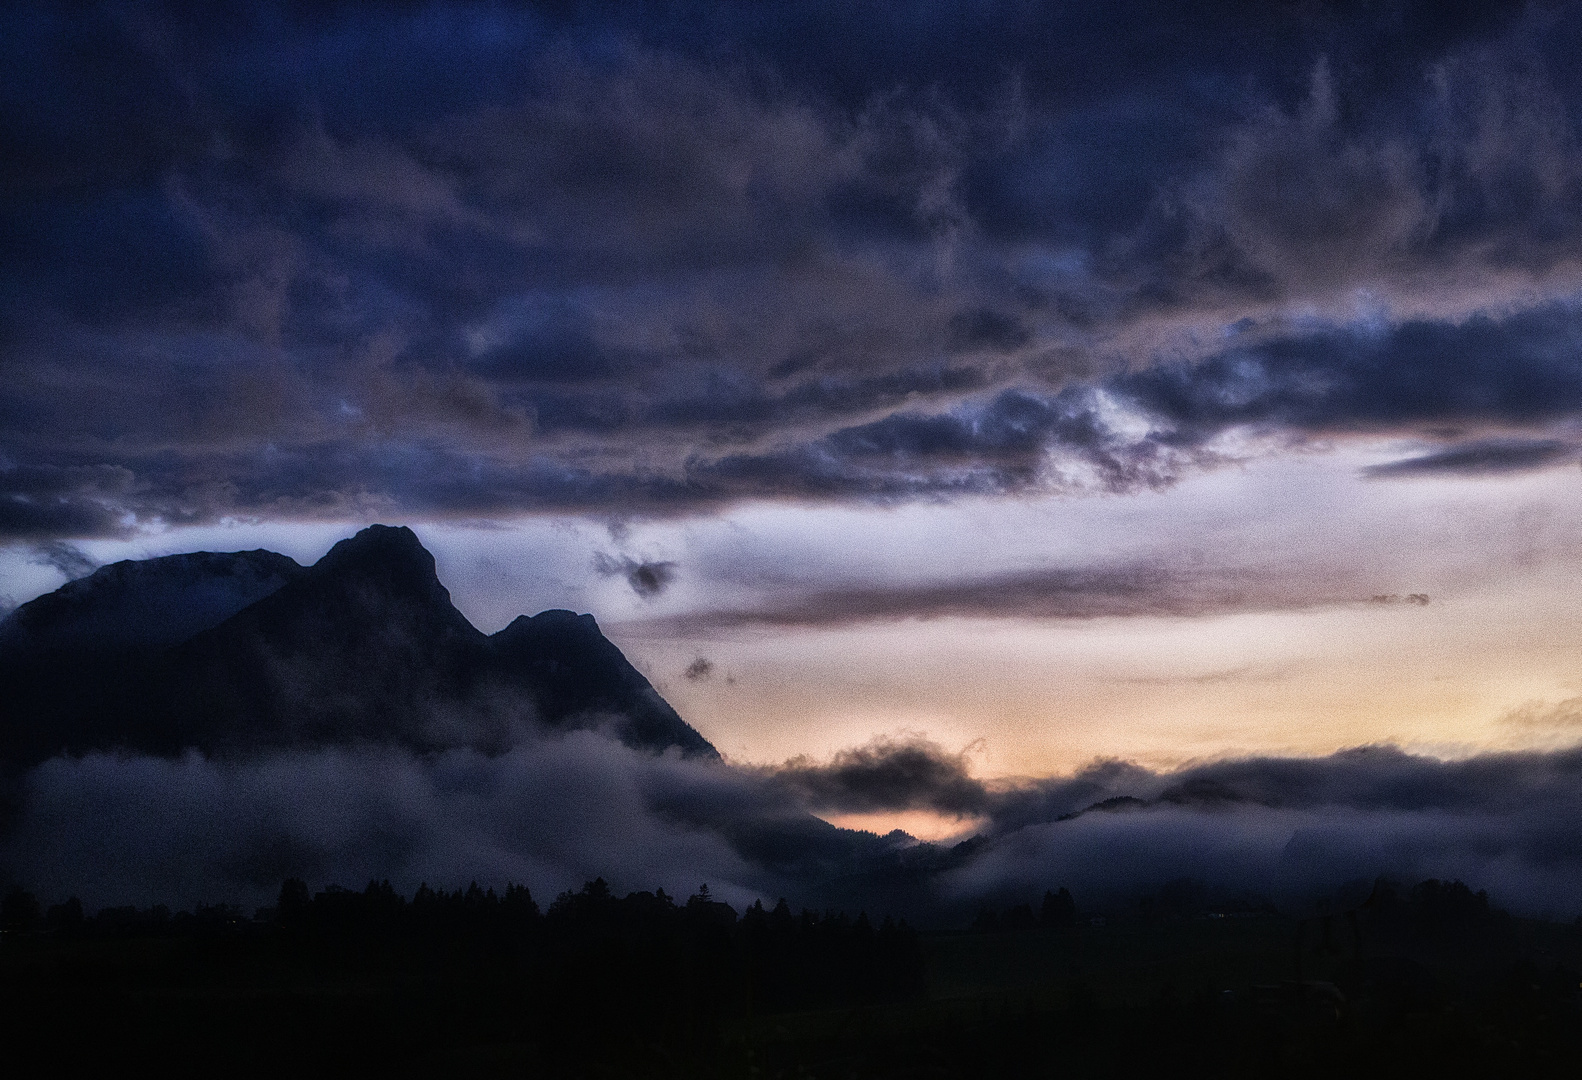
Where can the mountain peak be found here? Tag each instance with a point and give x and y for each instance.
(386, 555)
(577, 672)
(379, 543)
(556, 621)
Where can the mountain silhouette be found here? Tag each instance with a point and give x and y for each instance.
(72, 662)
(572, 668)
(363, 647)
(146, 604)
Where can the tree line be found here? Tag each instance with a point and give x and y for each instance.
(646, 951)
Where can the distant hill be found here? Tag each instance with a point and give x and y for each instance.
(234, 653)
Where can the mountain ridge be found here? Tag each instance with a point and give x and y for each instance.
(364, 646)
(191, 592)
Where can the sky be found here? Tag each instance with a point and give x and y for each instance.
(1052, 383)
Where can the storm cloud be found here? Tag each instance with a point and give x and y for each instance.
(291, 265)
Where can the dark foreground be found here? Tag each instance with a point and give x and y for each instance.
(1425, 983)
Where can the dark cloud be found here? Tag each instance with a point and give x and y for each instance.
(982, 328)
(700, 669)
(22, 518)
(40, 502)
(1485, 370)
(1487, 457)
(1145, 429)
(1135, 431)
(647, 577)
(651, 578)
(1144, 589)
(647, 263)
(887, 774)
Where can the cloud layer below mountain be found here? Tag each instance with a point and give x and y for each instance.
(555, 812)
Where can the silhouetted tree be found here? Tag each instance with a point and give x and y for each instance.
(1058, 909)
(1019, 917)
(1432, 911)
(519, 903)
(65, 919)
(1180, 898)
(292, 905)
(987, 922)
(19, 911)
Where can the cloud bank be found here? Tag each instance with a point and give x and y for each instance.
(553, 813)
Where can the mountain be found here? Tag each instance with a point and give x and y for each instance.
(572, 668)
(363, 647)
(70, 661)
(146, 604)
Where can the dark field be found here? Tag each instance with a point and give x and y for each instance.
(368, 983)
